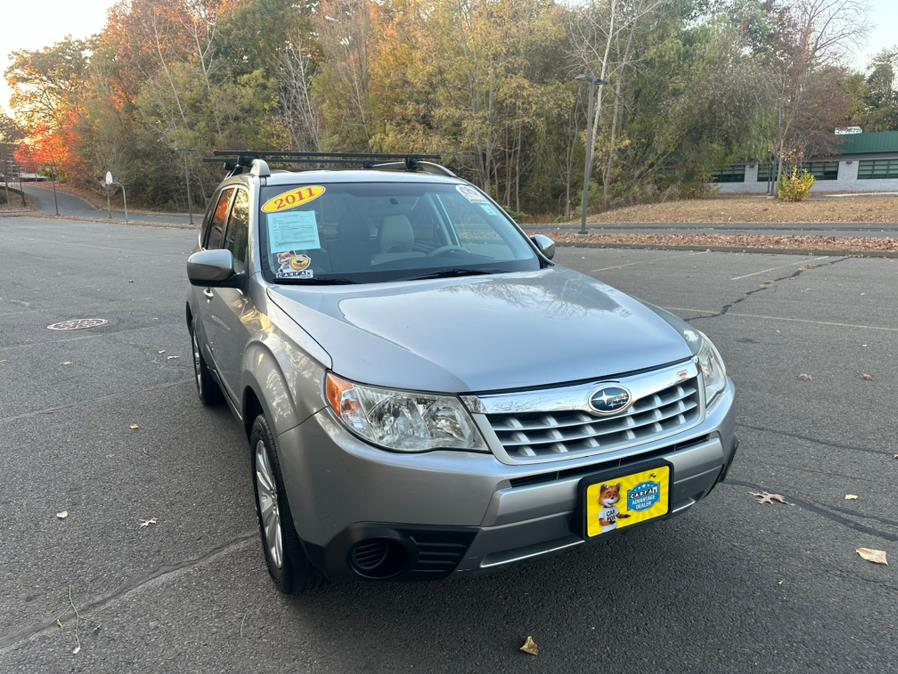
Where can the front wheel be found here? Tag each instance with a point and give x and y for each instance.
(290, 569)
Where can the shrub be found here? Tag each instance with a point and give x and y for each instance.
(795, 187)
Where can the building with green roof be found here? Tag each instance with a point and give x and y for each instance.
(866, 162)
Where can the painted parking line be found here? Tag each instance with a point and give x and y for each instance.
(654, 259)
(765, 317)
(785, 266)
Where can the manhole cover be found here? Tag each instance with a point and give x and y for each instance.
(78, 324)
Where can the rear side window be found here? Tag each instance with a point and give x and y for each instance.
(219, 219)
(238, 225)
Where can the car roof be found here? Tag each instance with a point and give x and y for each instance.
(352, 176)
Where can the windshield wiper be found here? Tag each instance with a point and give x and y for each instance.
(314, 281)
(449, 273)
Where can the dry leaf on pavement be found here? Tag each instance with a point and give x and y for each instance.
(134, 427)
(867, 376)
(766, 497)
(62, 515)
(804, 376)
(144, 523)
(851, 497)
(873, 556)
(530, 646)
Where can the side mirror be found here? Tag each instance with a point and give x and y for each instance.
(545, 244)
(212, 268)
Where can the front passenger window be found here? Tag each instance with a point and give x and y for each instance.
(238, 225)
(219, 218)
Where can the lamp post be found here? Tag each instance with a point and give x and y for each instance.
(184, 151)
(594, 83)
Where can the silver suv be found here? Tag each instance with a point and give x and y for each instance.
(424, 391)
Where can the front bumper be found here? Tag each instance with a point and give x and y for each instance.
(466, 512)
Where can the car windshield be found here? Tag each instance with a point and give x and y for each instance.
(385, 231)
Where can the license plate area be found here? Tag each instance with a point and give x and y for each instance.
(619, 498)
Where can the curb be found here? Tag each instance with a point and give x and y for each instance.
(735, 249)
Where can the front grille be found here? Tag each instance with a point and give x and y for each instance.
(538, 435)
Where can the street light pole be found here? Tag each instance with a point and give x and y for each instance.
(184, 151)
(594, 83)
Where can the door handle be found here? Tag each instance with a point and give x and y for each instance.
(208, 293)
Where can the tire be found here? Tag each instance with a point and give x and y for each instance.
(290, 569)
(207, 389)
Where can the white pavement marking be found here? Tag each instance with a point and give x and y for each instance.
(784, 318)
(791, 264)
(654, 259)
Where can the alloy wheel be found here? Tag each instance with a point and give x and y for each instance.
(266, 495)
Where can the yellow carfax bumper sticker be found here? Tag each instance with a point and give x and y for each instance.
(293, 198)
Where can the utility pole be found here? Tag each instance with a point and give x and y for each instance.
(594, 83)
(55, 202)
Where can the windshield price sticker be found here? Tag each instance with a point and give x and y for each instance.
(297, 230)
(471, 194)
(293, 198)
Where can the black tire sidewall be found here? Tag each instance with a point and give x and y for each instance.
(207, 389)
(296, 574)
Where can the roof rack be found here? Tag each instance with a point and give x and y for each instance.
(256, 162)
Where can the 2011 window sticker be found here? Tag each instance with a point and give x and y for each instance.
(298, 196)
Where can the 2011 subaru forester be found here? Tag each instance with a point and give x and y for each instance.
(425, 392)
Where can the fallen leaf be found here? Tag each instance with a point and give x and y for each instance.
(867, 376)
(766, 497)
(134, 427)
(172, 357)
(62, 515)
(873, 556)
(147, 522)
(804, 376)
(530, 646)
(851, 497)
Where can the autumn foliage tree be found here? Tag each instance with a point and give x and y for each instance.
(487, 84)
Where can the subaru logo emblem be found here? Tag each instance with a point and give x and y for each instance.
(610, 400)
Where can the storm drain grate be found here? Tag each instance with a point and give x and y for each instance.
(78, 324)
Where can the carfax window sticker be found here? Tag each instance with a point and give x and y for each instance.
(293, 198)
(292, 264)
(471, 194)
(294, 230)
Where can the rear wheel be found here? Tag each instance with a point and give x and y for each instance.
(290, 569)
(207, 389)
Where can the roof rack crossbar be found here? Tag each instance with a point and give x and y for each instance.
(239, 161)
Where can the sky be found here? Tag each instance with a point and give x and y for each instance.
(28, 24)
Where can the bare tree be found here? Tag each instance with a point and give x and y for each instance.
(811, 37)
(297, 102)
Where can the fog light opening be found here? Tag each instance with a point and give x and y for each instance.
(378, 558)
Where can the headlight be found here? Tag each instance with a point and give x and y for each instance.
(714, 374)
(402, 420)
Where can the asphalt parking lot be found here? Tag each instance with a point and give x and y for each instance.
(733, 585)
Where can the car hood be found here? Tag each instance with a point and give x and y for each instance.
(484, 333)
